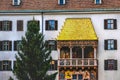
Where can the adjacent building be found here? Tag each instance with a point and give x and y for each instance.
(83, 36)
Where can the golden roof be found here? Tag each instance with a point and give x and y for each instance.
(77, 29)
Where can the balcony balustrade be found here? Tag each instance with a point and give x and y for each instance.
(77, 62)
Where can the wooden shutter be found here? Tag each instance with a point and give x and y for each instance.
(15, 45)
(0, 25)
(105, 64)
(46, 25)
(20, 25)
(0, 65)
(115, 64)
(56, 25)
(105, 24)
(1, 45)
(9, 65)
(10, 25)
(115, 23)
(106, 44)
(115, 44)
(10, 45)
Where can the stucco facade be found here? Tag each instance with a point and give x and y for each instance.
(97, 16)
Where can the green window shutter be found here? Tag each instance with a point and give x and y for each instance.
(10, 45)
(0, 25)
(115, 44)
(115, 64)
(115, 23)
(106, 44)
(9, 65)
(56, 25)
(105, 64)
(0, 65)
(15, 45)
(47, 25)
(10, 25)
(0, 45)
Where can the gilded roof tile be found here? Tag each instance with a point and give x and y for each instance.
(77, 29)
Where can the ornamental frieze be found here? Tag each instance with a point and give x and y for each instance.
(76, 43)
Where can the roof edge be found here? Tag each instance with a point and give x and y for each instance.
(52, 11)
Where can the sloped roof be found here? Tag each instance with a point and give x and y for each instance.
(77, 29)
(53, 5)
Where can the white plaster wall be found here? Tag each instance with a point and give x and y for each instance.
(12, 36)
(98, 23)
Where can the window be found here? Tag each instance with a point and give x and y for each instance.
(5, 65)
(110, 44)
(53, 65)
(5, 25)
(110, 24)
(51, 25)
(5, 45)
(16, 2)
(17, 44)
(19, 25)
(52, 44)
(110, 64)
(74, 77)
(61, 2)
(97, 1)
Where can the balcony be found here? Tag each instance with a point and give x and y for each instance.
(77, 62)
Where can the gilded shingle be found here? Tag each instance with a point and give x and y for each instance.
(77, 29)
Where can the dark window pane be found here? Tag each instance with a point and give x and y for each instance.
(51, 25)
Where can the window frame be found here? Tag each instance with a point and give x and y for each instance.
(53, 65)
(16, 45)
(49, 23)
(7, 44)
(110, 64)
(52, 47)
(16, 2)
(63, 2)
(6, 25)
(98, 2)
(4, 66)
(110, 24)
(110, 44)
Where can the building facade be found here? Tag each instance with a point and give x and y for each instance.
(83, 36)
